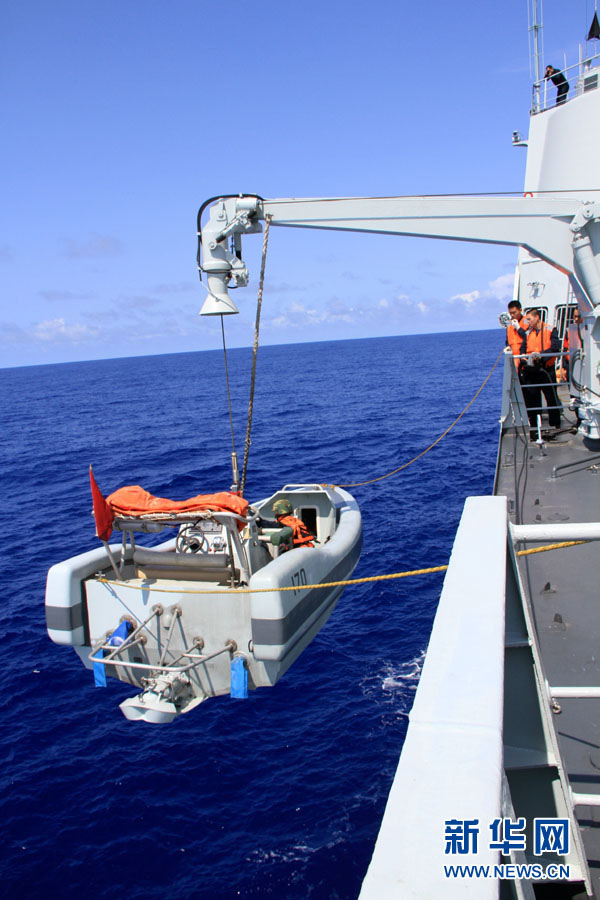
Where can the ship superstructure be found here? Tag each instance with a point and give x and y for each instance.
(513, 653)
(506, 724)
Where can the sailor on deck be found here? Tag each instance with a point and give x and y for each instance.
(557, 78)
(538, 373)
(517, 329)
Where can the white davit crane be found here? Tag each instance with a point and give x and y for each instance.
(562, 232)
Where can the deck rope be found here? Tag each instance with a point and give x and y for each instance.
(550, 547)
(431, 446)
(255, 351)
(325, 584)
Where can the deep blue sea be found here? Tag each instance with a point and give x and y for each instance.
(280, 796)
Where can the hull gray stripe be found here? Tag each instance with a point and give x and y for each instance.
(64, 618)
(272, 632)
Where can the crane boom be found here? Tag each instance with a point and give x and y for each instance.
(563, 232)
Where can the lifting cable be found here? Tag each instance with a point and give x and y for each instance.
(431, 446)
(255, 352)
(325, 584)
(228, 389)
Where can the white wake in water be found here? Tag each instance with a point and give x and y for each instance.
(394, 684)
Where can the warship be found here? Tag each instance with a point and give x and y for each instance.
(504, 734)
(496, 789)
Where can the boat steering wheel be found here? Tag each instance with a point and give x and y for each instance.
(190, 540)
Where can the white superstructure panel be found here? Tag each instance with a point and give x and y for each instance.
(558, 163)
(559, 166)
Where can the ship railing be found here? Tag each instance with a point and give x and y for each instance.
(155, 668)
(514, 409)
(542, 384)
(554, 354)
(155, 522)
(583, 76)
(469, 750)
(584, 531)
(514, 413)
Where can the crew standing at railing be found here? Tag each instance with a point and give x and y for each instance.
(516, 331)
(537, 371)
(558, 79)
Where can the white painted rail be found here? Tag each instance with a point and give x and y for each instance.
(451, 765)
(582, 531)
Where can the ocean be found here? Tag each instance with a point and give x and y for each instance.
(279, 796)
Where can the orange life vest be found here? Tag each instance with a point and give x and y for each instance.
(514, 339)
(540, 342)
(301, 535)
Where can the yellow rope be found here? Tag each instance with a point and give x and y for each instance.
(549, 547)
(299, 587)
(431, 446)
(324, 584)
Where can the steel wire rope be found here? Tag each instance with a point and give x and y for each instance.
(255, 352)
(228, 388)
(431, 446)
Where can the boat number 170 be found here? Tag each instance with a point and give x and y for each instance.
(298, 579)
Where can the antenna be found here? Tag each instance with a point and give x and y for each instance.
(535, 54)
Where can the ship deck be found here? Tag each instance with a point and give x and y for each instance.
(559, 483)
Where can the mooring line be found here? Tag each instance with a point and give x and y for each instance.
(325, 584)
(431, 446)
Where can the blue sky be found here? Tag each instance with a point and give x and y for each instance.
(123, 116)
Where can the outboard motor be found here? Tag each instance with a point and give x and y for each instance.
(164, 697)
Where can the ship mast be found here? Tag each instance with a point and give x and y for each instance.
(535, 54)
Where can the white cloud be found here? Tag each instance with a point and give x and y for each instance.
(499, 289)
(296, 315)
(385, 310)
(467, 299)
(58, 331)
(502, 287)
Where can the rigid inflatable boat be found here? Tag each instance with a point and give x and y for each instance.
(223, 606)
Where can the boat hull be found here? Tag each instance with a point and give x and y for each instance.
(204, 626)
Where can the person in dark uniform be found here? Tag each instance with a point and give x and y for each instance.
(293, 533)
(557, 78)
(537, 372)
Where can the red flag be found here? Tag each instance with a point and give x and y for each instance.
(103, 514)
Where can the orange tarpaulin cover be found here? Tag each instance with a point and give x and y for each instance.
(135, 501)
